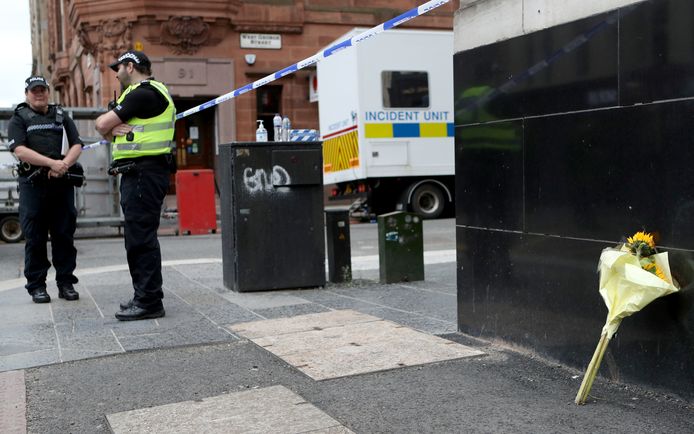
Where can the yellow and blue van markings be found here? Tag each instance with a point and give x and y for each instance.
(408, 130)
(341, 152)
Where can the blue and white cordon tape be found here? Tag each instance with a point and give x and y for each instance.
(407, 16)
(303, 135)
(357, 39)
(95, 144)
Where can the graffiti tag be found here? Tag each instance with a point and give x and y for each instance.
(260, 180)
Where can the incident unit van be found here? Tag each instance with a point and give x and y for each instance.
(386, 121)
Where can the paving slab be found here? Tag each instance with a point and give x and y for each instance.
(78, 337)
(343, 343)
(29, 359)
(119, 327)
(280, 326)
(27, 337)
(24, 311)
(182, 331)
(264, 300)
(12, 403)
(293, 310)
(405, 299)
(119, 278)
(226, 313)
(15, 296)
(274, 409)
(83, 308)
(205, 302)
(335, 299)
(423, 323)
(70, 354)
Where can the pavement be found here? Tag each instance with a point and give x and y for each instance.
(360, 357)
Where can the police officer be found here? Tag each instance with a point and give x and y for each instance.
(141, 128)
(37, 132)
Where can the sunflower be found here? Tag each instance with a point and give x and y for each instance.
(651, 267)
(659, 273)
(648, 264)
(641, 244)
(642, 236)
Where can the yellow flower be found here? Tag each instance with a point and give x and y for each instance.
(651, 267)
(642, 236)
(659, 273)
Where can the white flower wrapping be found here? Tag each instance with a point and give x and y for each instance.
(627, 288)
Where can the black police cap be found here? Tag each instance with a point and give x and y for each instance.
(35, 80)
(134, 56)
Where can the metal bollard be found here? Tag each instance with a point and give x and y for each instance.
(400, 247)
(339, 246)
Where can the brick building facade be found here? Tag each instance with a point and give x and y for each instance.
(202, 49)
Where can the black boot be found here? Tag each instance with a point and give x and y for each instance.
(134, 313)
(39, 295)
(125, 305)
(67, 291)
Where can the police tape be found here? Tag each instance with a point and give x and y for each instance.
(357, 39)
(95, 144)
(303, 135)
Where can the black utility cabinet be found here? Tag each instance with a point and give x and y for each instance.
(272, 215)
(339, 245)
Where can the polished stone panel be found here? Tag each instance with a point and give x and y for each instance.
(509, 286)
(606, 174)
(656, 52)
(489, 169)
(542, 72)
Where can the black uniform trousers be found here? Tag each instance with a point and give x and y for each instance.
(47, 206)
(142, 192)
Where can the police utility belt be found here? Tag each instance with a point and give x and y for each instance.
(126, 165)
(74, 175)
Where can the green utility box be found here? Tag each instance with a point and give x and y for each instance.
(400, 247)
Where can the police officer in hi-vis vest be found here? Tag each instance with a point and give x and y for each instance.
(141, 129)
(47, 143)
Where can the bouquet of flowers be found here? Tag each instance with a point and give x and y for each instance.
(631, 275)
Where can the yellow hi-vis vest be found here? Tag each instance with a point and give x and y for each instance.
(152, 136)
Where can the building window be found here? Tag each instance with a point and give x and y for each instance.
(268, 99)
(405, 89)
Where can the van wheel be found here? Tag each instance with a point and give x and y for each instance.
(10, 229)
(428, 201)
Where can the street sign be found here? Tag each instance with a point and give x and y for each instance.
(263, 41)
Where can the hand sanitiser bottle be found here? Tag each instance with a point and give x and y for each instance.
(277, 124)
(286, 126)
(261, 132)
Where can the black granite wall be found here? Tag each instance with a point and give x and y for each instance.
(567, 140)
